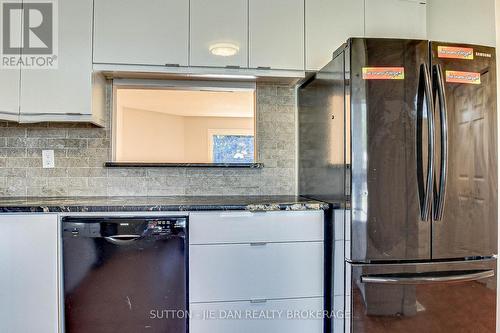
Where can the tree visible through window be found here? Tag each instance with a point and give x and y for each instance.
(233, 148)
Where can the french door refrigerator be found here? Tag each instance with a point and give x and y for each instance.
(406, 131)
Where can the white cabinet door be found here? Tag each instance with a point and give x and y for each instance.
(52, 94)
(29, 276)
(220, 24)
(285, 316)
(329, 23)
(9, 94)
(145, 32)
(276, 32)
(10, 76)
(248, 227)
(396, 19)
(231, 272)
(462, 21)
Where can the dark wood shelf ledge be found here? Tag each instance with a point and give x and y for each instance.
(182, 165)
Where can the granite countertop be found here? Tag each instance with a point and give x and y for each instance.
(174, 203)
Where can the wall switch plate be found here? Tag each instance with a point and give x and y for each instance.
(48, 160)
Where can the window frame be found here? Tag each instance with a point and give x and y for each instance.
(226, 86)
(226, 131)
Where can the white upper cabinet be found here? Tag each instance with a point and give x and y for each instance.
(144, 32)
(64, 93)
(219, 33)
(9, 94)
(462, 21)
(276, 32)
(329, 23)
(10, 77)
(396, 19)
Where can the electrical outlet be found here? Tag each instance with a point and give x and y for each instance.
(48, 160)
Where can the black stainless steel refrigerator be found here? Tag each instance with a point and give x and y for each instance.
(405, 131)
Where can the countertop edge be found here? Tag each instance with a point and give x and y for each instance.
(104, 208)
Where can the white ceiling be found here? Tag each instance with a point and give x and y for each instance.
(189, 103)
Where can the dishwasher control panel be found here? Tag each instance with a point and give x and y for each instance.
(95, 227)
(167, 226)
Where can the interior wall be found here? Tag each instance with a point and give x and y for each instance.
(149, 136)
(145, 136)
(82, 150)
(497, 11)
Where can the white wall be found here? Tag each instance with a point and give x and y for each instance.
(149, 136)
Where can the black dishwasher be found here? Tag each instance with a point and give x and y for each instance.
(125, 274)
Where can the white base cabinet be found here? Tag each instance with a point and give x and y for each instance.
(29, 300)
(275, 316)
(249, 227)
(256, 271)
(244, 264)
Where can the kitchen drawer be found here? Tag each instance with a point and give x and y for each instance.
(246, 227)
(278, 312)
(233, 272)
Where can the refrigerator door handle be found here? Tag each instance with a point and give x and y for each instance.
(443, 173)
(426, 91)
(412, 279)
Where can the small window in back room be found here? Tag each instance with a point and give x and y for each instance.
(184, 124)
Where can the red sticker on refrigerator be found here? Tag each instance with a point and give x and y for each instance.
(463, 77)
(383, 73)
(452, 52)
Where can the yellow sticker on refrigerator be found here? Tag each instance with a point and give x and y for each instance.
(463, 77)
(383, 73)
(452, 52)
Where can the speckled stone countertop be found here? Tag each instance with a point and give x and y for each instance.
(177, 203)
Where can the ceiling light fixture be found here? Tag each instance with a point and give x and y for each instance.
(224, 49)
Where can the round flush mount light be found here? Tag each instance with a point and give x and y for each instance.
(224, 49)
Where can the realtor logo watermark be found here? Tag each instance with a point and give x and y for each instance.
(29, 34)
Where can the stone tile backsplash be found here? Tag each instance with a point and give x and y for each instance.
(81, 151)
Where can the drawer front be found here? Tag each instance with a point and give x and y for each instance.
(245, 227)
(234, 272)
(290, 316)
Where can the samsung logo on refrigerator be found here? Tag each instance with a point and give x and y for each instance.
(484, 55)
